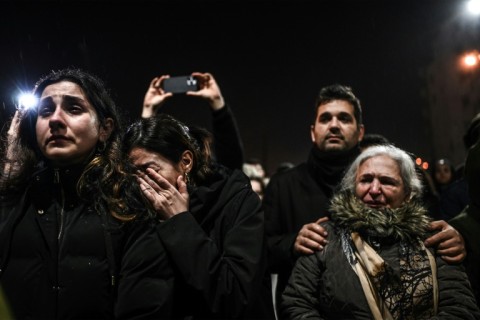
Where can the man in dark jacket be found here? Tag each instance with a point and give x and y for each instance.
(296, 201)
(468, 221)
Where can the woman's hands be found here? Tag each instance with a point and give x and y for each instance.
(154, 97)
(208, 90)
(167, 199)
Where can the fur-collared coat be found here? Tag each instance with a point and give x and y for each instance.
(324, 285)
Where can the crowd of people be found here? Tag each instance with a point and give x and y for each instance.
(157, 219)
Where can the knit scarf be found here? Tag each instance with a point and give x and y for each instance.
(413, 292)
(328, 168)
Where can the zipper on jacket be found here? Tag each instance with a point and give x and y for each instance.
(56, 180)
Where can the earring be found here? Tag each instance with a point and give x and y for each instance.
(187, 178)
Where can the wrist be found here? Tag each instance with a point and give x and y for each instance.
(217, 104)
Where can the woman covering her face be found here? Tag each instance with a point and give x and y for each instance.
(212, 222)
(375, 265)
(77, 241)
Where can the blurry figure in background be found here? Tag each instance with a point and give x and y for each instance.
(258, 185)
(253, 167)
(430, 196)
(375, 264)
(468, 221)
(372, 139)
(227, 144)
(455, 198)
(77, 241)
(442, 173)
(213, 223)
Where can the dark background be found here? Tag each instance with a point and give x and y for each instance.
(270, 58)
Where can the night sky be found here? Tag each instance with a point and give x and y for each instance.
(269, 58)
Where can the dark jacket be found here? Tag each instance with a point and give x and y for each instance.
(218, 248)
(297, 197)
(61, 259)
(226, 137)
(325, 286)
(468, 224)
(468, 221)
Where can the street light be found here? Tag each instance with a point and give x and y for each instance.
(473, 6)
(471, 59)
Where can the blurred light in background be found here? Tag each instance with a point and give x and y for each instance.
(26, 100)
(470, 59)
(473, 6)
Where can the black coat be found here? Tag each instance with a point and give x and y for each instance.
(218, 248)
(468, 224)
(226, 137)
(296, 197)
(58, 261)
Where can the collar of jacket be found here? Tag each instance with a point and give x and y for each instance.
(404, 223)
(49, 180)
(328, 168)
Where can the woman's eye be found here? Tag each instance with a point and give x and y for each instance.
(75, 109)
(44, 111)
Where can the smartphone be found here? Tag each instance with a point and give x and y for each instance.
(180, 84)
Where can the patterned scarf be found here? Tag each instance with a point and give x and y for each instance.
(410, 294)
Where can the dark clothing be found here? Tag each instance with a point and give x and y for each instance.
(227, 142)
(59, 257)
(341, 297)
(468, 224)
(324, 285)
(454, 199)
(297, 197)
(219, 251)
(468, 221)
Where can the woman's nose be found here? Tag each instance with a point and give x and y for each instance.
(56, 119)
(375, 188)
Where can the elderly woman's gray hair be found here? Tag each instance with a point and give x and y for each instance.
(411, 181)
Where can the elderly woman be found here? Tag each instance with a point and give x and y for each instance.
(375, 265)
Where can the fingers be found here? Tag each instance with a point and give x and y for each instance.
(438, 224)
(182, 186)
(157, 81)
(454, 259)
(310, 238)
(322, 220)
(147, 190)
(446, 231)
(157, 181)
(449, 243)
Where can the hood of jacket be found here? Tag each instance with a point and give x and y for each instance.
(404, 223)
(208, 200)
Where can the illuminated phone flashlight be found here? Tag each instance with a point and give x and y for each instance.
(26, 101)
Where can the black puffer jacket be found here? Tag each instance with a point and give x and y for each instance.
(324, 285)
(57, 259)
(219, 251)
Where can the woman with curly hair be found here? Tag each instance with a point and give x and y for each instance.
(77, 239)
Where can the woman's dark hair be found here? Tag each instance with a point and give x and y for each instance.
(165, 135)
(106, 181)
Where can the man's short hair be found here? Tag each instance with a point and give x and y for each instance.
(339, 92)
